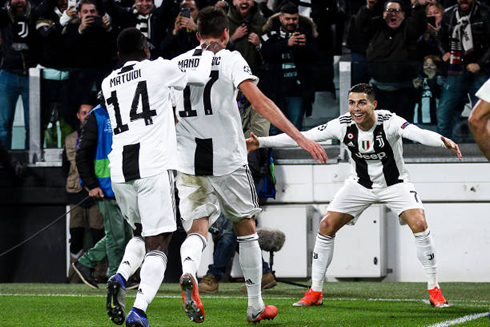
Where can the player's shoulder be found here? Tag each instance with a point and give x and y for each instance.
(345, 119)
(194, 52)
(384, 116)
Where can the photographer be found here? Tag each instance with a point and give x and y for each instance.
(181, 35)
(290, 52)
(90, 41)
(147, 17)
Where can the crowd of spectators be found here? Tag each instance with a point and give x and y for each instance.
(289, 44)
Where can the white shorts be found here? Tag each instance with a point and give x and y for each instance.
(150, 202)
(205, 196)
(353, 198)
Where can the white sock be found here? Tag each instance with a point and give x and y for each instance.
(322, 256)
(191, 253)
(152, 272)
(250, 258)
(426, 255)
(133, 257)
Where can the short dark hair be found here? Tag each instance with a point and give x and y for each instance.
(88, 2)
(131, 44)
(394, 1)
(211, 22)
(289, 8)
(364, 88)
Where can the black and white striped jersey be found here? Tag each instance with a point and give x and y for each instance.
(376, 155)
(138, 101)
(210, 140)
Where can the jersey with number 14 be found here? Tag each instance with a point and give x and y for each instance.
(138, 101)
(210, 139)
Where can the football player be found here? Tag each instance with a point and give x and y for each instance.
(213, 172)
(142, 160)
(374, 139)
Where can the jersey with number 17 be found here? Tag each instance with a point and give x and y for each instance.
(210, 139)
(137, 97)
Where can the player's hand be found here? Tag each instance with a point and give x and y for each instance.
(213, 46)
(252, 143)
(452, 146)
(315, 149)
(96, 193)
(446, 56)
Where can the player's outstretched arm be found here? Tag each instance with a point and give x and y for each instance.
(264, 106)
(479, 125)
(451, 145)
(426, 137)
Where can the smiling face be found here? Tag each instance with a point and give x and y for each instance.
(393, 14)
(243, 6)
(289, 22)
(361, 109)
(144, 7)
(18, 5)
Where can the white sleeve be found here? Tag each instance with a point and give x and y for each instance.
(200, 75)
(240, 70)
(423, 136)
(330, 130)
(484, 92)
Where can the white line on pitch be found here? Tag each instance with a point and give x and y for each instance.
(465, 302)
(460, 320)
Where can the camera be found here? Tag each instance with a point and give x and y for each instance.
(185, 12)
(97, 21)
(432, 20)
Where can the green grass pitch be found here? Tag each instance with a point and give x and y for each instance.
(345, 304)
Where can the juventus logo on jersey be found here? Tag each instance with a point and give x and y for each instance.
(23, 30)
(380, 140)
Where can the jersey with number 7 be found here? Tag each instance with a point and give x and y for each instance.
(210, 139)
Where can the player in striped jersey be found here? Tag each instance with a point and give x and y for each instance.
(374, 139)
(213, 172)
(142, 160)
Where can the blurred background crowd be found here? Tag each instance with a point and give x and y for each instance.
(425, 58)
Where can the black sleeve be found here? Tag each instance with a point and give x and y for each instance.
(87, 146)
(364, 20)
(417, 22)
(65, 166)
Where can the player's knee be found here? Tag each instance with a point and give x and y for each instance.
(419, 224)
(158, 242)
(327, 227)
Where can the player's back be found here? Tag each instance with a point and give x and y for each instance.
(138, 101)
(209, 131)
